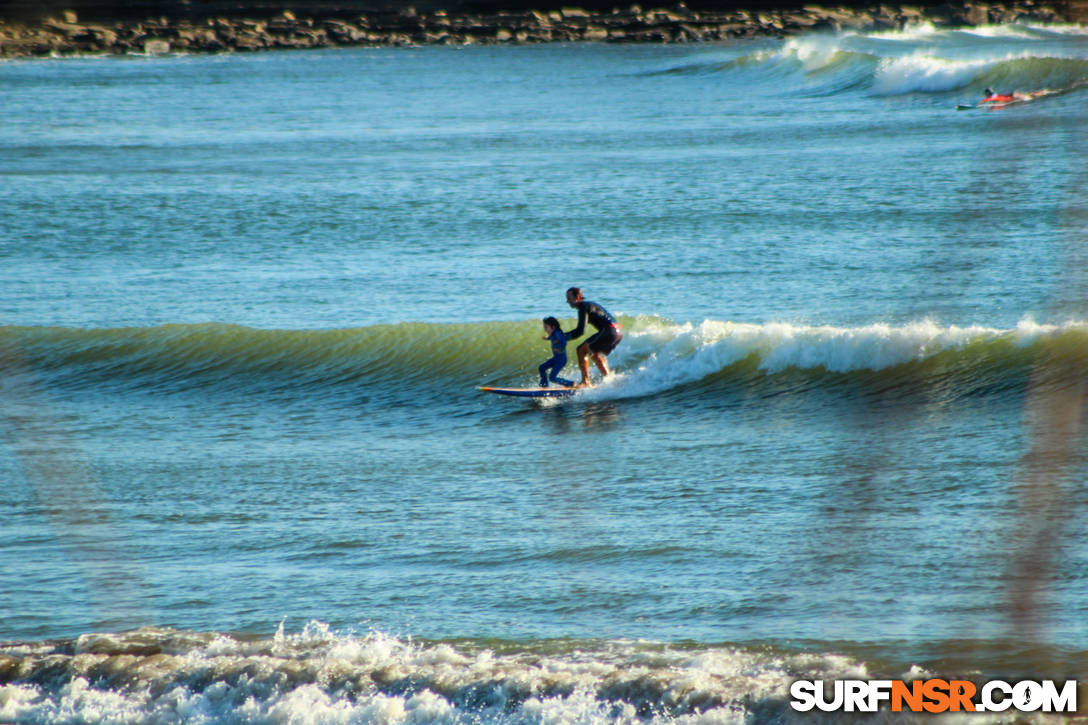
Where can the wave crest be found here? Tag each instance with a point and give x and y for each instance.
(920, 354)
(656, 355)
(920, 59)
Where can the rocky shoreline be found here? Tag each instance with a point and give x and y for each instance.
(66, 35)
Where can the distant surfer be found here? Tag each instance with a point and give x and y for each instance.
(1014, 97)
(992, 97)
(601, 343)
(559, 354)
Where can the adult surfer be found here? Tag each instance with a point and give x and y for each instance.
(598, 345)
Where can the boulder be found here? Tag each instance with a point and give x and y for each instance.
(845, 18)
(911, 14)
(249, 42)
(63, 28)
(976, 14)
(93, 38)
(798, 21)
(155, 46)
(343, 33)
(640, 36)
(732, 30)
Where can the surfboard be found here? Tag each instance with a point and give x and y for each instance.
(532, 392)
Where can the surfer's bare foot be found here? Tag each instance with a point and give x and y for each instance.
(583, 384)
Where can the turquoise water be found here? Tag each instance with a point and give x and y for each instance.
(247, 302)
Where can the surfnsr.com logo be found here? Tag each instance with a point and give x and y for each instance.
(933, 696)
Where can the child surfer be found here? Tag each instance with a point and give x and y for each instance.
(559, 354)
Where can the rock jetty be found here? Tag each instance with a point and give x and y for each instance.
(66, 35)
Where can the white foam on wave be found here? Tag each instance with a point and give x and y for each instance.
(671, 355)
(818, 51)
(318, 676)
(911, 60)
(926, 74)
(1013, 31)
(1028, 331)
(813, 52)
(910, 32)
(1071, 29)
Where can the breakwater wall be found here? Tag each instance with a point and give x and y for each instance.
(264, 27)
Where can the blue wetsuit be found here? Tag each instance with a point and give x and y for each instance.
(557, 361)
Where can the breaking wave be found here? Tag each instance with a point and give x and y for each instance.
(918, 59)
(656, 356)
(156, 675)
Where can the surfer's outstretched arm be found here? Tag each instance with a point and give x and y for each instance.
(581, 328)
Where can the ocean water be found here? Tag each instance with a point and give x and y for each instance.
(247, 301)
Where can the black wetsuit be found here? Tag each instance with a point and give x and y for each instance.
(608, 333)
